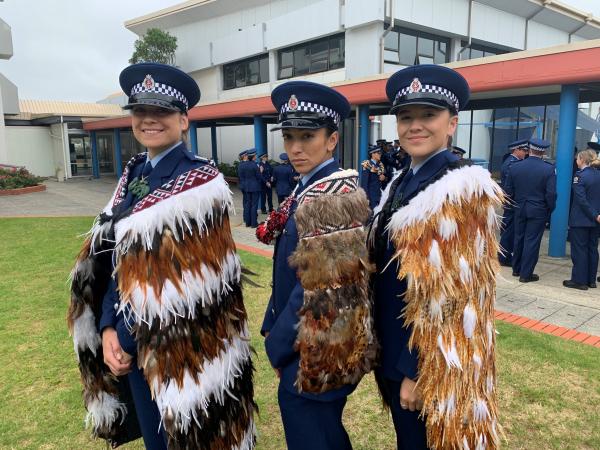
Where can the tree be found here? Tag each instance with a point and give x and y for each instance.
(155, 46)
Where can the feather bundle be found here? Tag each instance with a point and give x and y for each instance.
(335, 339)
(446, 241)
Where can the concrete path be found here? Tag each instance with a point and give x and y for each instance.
(546, 301)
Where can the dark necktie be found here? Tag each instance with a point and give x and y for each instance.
(398, 195)
(147, 170)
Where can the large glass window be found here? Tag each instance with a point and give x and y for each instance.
(312, 57)
(479, 51)
(247, 72)
(408, 47)
(80, 154)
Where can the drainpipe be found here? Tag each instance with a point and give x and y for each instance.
(544, 4)
(387, 3)
(469, 26)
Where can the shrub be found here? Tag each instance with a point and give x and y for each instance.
(13, 177)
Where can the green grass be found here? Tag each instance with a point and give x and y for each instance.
(549, 388)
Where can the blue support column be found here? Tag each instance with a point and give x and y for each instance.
(213, 143)
(194, 137)
(118, 159)
(569, 99)
(260, 135)
(95, 162)
(363, 134)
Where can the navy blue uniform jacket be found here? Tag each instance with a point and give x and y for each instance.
(370, 182)
(504, 169)
(284, 179)
(178, 161)
(586, 198)
(531, 183)
(250, 176)
(281, 316)
(267, 173)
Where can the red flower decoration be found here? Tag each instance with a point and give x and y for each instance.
(268, 231)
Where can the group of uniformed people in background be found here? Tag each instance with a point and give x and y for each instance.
(256, 181)
(530, 184)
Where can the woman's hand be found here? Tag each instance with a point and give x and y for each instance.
(115, 358)
(410, 395)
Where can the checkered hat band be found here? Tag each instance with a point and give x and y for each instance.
(314, 108)
(536, 148)
(434, 90)
(512, 147)
(160, 88)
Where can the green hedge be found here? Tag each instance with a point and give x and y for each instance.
(13, 177)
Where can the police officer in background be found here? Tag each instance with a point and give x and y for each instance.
(584, 223)
(266, 196)
(518, 150)
(531, 183)
(373, 176)
(283, 178)
(242, 156)
(251, 179)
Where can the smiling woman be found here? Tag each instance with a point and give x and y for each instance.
(157, 129)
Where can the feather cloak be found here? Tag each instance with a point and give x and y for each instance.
(335, 338)
(179, 285)
(445, 241)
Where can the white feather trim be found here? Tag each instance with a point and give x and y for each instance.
(477, 361)
(384, 196)
(480, 411)
(479, 247)
(465, 271)
(197, 290)
(215, 381)
(466, 444)
(195, 204)
(450, 353)
(469, 320)
(489, 384)
(435, 309)
(248, 441)
(456, 186)
(85, 333)
(480, 443)
(447, 228)
(482, 298)
(104, 410)
(435, 258)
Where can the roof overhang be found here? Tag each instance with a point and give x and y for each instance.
(511, 79)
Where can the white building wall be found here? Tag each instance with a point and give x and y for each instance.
(3, 146)
(498, 27)
(450, 16)
(540, 36)
(363, 54)
(33, 148)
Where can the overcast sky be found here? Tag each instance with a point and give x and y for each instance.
(73, 50)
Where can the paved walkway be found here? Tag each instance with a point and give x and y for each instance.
(544, 302)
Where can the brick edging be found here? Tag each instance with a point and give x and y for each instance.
(524, 322)
(548, 328)
(24, 190)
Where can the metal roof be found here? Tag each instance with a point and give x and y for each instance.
(35, 109)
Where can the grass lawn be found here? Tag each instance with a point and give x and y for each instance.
(549, 388)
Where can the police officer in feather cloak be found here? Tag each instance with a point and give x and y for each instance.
(157, 316)
(318, 325)
(434, 245)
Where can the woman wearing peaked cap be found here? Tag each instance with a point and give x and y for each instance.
(435, 248)
(146, 336)
(317, 327)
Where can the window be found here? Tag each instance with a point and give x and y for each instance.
(312, 57)
(408, 47)
(478, 51)
(246, 72)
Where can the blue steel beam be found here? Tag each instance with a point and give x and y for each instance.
(95, 162)
(213, 143)
(118, 160)
(194, 137)
(567, 122)
(363, 134)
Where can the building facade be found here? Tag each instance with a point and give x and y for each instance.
(9, 100)
(237, 51)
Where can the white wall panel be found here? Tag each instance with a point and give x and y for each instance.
(33, 148)
(540, 36)
(450, 16)
(363, 51)
(497, 27)
(359, 12)
(238, 45)
(310, 22)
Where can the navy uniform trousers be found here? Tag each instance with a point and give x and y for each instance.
(507, 236)
(528, 238)
(584, 254)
